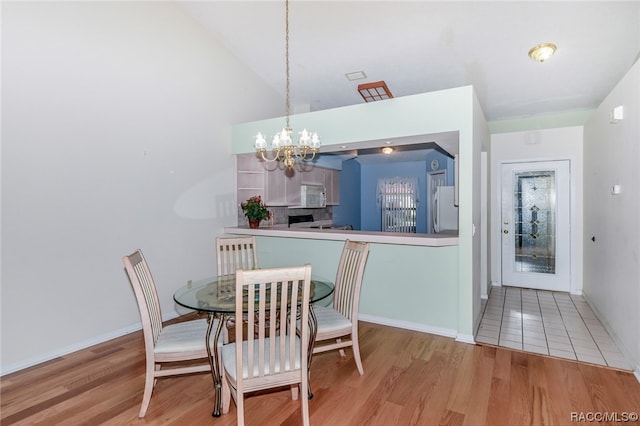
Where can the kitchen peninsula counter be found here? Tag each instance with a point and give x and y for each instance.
(427, 240)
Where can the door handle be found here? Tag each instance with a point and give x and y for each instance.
(506, 231)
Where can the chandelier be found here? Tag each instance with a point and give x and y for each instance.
(282, 145)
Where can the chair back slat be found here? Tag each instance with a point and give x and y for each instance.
(349, 277)
(274, 299)
(146, 295)
(236, 253)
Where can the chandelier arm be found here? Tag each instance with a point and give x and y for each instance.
(265, 158)
(305, 158)
(304, 152)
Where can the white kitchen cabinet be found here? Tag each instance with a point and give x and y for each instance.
(282, 187)
(279, 187)
(250, 163)
(332, 184)
(312, 175)
(292, 185)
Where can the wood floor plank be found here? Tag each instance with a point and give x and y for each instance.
(411, 378)
(461, 391)
(542, 411)
(607, 392)
(558, 399)
(482, 370)
(436, 405)
(521, 398)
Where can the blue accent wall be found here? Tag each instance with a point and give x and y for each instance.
(349, 212)
(370, 173)
(358, 186)
(445, 163)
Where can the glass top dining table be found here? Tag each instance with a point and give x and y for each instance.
(218, 294)
(217, 297)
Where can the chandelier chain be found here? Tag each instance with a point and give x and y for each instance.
(286, 54)
(283, 147)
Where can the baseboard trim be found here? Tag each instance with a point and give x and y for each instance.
(48, 356)
(407, 325)
(619, 343)
(465, 338)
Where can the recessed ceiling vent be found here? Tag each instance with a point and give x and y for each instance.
(376, 91)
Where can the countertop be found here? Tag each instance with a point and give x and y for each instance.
(430, 240)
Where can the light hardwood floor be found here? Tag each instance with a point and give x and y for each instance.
(410, 378)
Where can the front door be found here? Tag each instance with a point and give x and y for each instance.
(536, 225)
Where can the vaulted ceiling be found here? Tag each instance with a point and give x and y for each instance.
(423, 46)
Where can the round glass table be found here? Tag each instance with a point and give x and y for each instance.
(217, 297)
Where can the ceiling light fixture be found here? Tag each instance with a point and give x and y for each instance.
(375, 91)
(387, 150)
(282, 144)
(542, 52)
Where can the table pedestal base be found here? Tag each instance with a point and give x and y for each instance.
(214, 361)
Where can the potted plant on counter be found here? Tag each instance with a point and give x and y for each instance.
(255, 211)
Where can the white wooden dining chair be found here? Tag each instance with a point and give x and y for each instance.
(275, 354)
(338, 324)
(234, 253)
(183, 341)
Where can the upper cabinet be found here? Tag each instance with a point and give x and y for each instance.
(311, 175)
(332, 183)
(282, 187)
(279, 187)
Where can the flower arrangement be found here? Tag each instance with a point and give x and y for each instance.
(254, 209)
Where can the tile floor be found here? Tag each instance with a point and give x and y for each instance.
(549, 323)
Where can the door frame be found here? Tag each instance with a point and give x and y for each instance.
(496, 225)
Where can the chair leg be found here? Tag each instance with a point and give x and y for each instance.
(356, 353)
(341, 351)
(294, 392)
(226, 394)
(240, 408)
(304, 389)
(149, 383)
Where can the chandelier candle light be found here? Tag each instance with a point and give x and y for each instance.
(282, 145)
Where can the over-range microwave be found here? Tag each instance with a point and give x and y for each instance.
(313, 196)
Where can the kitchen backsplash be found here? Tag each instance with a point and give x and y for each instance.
(281, 215)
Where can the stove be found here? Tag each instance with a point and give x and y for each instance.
(303, 218)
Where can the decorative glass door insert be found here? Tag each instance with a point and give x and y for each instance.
(534, 214)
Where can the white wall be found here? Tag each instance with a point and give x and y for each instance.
(482, 140)
(116, 129)
(612, 261)
(553, 144)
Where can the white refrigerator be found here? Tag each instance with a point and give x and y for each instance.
(445, 213)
